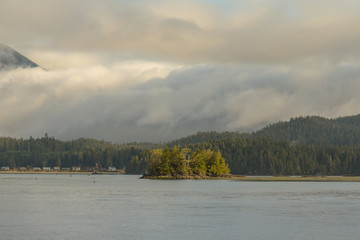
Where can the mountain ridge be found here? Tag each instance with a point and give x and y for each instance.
(308, 130)
(11, 59)
(260, 153)
(316, 130)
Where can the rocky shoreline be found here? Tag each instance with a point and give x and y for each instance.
(259, 178)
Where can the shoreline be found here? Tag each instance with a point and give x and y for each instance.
(261, 178)
(197, 177)
(62, 172)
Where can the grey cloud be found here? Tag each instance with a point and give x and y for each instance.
(267, 32)
(173, 24)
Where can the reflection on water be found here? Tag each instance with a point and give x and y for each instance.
(124, 207)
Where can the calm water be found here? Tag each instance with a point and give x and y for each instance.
(124, 207)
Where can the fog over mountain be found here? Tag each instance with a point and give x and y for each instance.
(158, 70)
(10, 59)
(155, 101)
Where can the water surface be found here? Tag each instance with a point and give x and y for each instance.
(125, 207)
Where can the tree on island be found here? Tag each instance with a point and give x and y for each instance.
(176, 161)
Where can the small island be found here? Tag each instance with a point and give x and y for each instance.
(180, 163)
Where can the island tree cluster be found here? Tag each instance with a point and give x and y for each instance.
(179, 161)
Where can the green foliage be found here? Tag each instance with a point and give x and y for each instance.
(178, 162)
(154, 161)
(197, 163)
(164, 167)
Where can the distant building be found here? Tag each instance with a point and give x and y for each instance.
(77, 168)
(5, 168)
(36, 169)
(90, 169)
(46, 168)
(112, 169)
(56, 168)
(65, 169)
(22, 168)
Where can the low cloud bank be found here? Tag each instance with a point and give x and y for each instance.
(154, 101)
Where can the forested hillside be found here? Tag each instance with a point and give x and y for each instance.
(302, 146)
(265, 156)
(317, 131)
(201, 137)
(310, 130)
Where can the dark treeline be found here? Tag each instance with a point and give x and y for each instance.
(248, 155)
(265, 156)
(86, 153)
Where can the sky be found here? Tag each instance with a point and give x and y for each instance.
(158, 70)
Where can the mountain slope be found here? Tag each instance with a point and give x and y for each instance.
(310, 130)
(11, 59)
(202, 137)
(316, 130)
